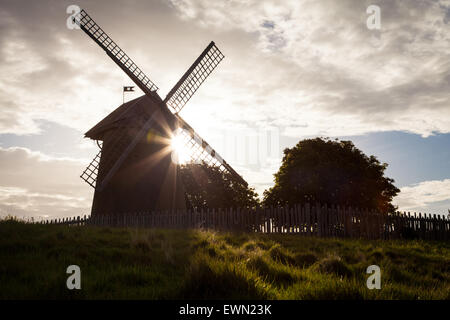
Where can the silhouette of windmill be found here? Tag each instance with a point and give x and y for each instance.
(134, 171)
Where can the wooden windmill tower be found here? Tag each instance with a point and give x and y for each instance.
(133, 171)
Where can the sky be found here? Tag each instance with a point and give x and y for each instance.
(292, 70)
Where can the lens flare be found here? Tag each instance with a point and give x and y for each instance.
(180, 152)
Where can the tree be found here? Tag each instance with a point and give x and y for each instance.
(332, 172)
(208, 187)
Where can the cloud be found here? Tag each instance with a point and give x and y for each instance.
(423, 195)
(33, 184)
(316, 69)
(48, 72)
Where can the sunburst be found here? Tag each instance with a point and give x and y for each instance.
(180, 152)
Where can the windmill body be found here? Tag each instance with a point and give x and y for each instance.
(134, 170)
(147, 180)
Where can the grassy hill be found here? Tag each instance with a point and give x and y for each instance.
(190, 264)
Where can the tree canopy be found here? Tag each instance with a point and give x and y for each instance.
(332, 172)
(207, 187)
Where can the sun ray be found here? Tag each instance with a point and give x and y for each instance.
(181, 154)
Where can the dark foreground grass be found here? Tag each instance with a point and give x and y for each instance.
(171, 264)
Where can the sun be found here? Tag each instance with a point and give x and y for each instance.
(180, 152)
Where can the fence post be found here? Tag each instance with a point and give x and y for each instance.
(319, 219)
(308, 223)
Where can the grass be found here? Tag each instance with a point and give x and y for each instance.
(192, 264)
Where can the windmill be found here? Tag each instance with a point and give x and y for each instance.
(133, 170)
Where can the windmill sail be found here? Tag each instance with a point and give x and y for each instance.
(91, 172)
(203, 152)
(177, 98)
(96, 33)
(193, 78)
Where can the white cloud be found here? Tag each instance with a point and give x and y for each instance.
(423, 195)
(35, 185)
(315, 69)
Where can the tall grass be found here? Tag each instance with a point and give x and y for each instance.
(173, 264)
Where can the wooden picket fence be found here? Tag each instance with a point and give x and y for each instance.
(309, 220)
(74, 221)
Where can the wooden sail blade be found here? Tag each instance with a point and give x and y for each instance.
(93, 30)
(185, 88)
(202, 152)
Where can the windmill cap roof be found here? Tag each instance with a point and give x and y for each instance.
(125, 115)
